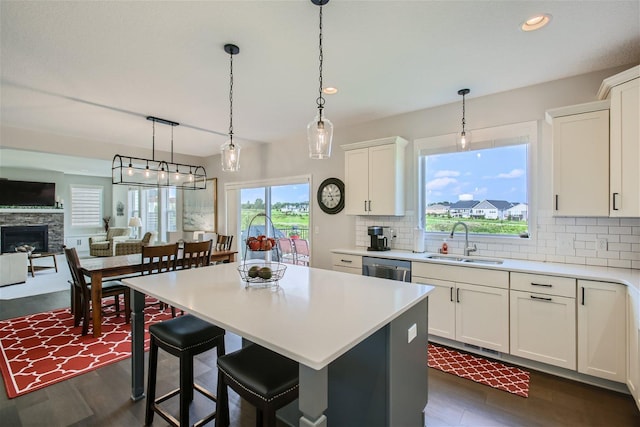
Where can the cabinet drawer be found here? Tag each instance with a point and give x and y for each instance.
(542, 284)
(454, 273)
(344, 260)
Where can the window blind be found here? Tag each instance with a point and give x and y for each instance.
(86, 206)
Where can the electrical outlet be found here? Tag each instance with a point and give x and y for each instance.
(565, 245)
(601, 244)
(412, 333)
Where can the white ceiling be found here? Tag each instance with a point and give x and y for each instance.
(95, 70)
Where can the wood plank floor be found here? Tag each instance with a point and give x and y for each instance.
(101, 397)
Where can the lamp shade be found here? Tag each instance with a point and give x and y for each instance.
(135, 222)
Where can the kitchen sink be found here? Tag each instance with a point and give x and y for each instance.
(453, 258)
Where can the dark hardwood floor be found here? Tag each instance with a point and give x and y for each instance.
(101, 397)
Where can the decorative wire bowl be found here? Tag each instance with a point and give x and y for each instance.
(261, 273)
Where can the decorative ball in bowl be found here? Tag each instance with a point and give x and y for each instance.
(260, 271)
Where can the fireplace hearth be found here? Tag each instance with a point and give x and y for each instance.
(36, 236)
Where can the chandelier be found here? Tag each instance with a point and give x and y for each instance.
(464, 137)
(128, 170)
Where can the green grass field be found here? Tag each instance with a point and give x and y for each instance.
(476, 225)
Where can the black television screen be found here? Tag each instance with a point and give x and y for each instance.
(27, 193)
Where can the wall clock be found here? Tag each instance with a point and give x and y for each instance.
(331, 195)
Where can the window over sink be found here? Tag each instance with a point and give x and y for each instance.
(487, 187)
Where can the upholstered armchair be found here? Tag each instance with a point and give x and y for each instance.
(129, 247)
(105, 245)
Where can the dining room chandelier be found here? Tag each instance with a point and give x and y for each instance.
(230, 152)
(129, 170)
(320, 129)
(464, 138)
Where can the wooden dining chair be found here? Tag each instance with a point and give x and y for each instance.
(196, 254)
(224, 242)
(81, 293)
(160, 259)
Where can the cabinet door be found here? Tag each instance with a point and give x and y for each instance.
(382, 180)
(625, 150)
(543, 328)
(633, 355)
(441, 307)
(482, 316)
(602, 330)
(581, 164)
(357, 181)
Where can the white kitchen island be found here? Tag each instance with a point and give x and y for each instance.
(361, 342)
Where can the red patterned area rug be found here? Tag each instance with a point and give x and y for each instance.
(42, 349)
(480, 370)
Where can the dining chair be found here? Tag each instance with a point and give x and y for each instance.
(224, 242)
(196, 254)
(301, 247)
(265, 379)
(81, 293)
(159, 259)
(287, 251)
(185, 337)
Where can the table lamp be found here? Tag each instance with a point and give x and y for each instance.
(135, 223)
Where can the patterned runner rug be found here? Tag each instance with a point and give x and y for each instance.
(42, 349)
(481, 370)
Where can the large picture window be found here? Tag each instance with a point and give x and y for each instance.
(486, 187)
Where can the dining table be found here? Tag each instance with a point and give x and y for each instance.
(99, 268)
(360, 342)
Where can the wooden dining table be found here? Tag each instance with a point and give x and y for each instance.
(99, 268)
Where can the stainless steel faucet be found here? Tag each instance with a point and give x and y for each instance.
(467, 249)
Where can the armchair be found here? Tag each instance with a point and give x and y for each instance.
(129, 247)
(105, 245)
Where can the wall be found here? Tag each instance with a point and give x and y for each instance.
(290, 158)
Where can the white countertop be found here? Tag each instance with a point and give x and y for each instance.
(313, 317)
(626, 276)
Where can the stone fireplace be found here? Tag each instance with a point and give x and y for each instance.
(43, 229)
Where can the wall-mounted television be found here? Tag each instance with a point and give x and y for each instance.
(27, 193)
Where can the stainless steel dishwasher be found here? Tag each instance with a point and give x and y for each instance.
(394, 269)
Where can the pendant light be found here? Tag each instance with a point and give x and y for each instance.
(230, 152)
(320, 129)
(464, 138)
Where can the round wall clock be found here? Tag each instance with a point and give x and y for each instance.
(331, 195)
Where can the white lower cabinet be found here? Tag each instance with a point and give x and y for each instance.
(602, 329)
(633, 353)
(543, 319)
(473, 308)
(347, 263)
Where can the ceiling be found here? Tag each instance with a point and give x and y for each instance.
(95, 70)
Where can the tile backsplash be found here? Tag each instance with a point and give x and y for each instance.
(578, 235)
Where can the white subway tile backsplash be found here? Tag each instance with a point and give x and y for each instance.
(622, 235)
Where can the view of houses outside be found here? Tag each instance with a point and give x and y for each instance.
(487, 189)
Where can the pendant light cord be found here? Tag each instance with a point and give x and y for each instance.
(153, 142)
(320, 100)
(463, 113)
(231, 99)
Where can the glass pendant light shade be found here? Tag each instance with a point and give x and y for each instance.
(320, 135)
(230, 155)
(464, 141)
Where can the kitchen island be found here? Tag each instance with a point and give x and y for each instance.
(361, 342)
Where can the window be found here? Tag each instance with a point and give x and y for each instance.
(154, 206)
(86, 206)
(487, 187)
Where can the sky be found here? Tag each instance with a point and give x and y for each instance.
(494, 173)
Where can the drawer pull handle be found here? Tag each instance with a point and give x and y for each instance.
(346, 260)
(540, 298)
(544, 285)
(458, 294)
(582, 287)
(451, 293)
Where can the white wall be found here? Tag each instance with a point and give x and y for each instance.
(530, 103)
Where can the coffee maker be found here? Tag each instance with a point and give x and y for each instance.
(378, 240)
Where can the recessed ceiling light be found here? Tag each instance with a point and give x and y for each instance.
(330, 90)
(536, 22)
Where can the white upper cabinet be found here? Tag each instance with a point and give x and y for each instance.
(581, 160)
(374, 177)
(623, 89)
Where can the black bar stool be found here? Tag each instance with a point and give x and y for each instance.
(262, 377)
(184, 337)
